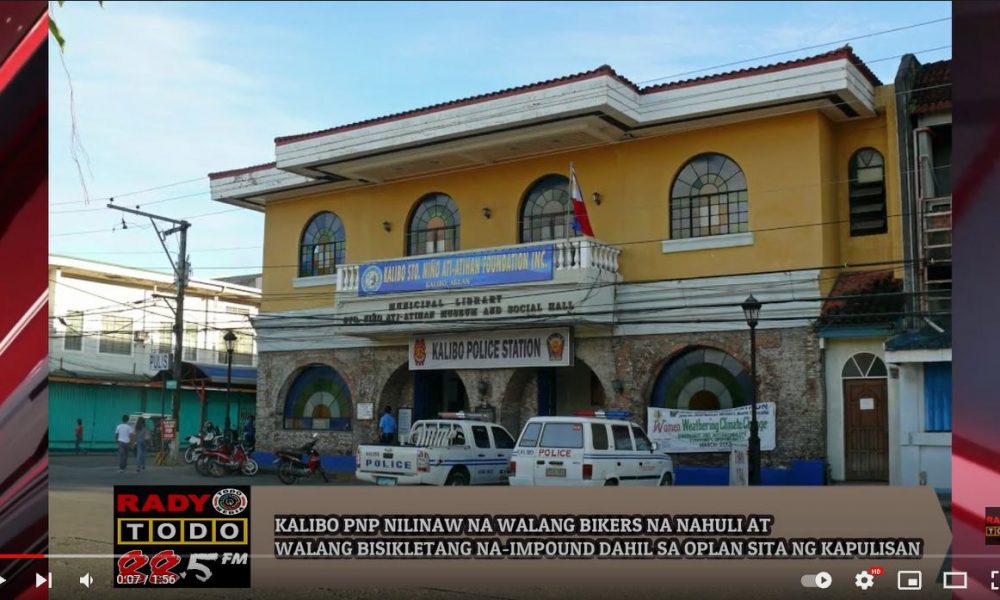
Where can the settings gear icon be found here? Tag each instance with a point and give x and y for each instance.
(864, 580)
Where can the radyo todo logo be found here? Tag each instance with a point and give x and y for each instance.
(182, 536)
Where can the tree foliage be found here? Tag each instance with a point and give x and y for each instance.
(54, 29)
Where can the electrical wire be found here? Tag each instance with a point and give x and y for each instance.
(557, 96)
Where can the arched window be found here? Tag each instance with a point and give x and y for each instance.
(702, 379)
(867, 193)
(709, 197)
(318, 399)
(322, 246)
(864, 365)
(547, 212)
(433, 227)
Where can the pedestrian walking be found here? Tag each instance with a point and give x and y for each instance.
(250, 432)
(141, 437)
(78, 434)
(123, 436)
(387, 427)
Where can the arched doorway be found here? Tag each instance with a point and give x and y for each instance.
(866, 418)
(702, 378)
(549, 391)
(437, 391)
(426, 393)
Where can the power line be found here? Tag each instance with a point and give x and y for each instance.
(556, 99)
(135, 193)
(559, 95)
(141, 204)
(799, 110)
(802, 49)
(555, 241)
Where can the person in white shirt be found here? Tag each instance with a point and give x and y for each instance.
(123, 435)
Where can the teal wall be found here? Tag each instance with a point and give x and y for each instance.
(101, 407)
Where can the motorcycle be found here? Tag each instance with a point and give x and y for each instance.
(198, 443)
(292, 467)
(216, 462)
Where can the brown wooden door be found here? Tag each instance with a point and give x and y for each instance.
(866, 429)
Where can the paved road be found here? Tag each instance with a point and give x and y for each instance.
(101, 471)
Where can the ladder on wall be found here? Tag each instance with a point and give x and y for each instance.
(935, 254)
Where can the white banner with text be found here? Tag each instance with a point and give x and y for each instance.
(710, 430)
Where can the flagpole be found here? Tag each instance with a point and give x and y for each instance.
(572, 179)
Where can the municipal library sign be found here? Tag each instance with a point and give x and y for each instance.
(493, 350)
(459, 270)
(461, 308)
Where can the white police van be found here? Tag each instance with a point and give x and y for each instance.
(590, 448)
(457, 449)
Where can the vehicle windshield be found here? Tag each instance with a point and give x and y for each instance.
(529, 438)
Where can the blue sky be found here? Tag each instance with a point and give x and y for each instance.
(169, 92)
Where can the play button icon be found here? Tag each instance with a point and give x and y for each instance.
(820, 580)
(40, 581)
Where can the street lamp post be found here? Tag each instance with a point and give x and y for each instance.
(751, 310)
(230, 339)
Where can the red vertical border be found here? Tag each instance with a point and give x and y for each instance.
(976, 383)
(23, 295)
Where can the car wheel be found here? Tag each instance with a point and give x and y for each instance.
(457, 478)
(667, 479)
(611, 482)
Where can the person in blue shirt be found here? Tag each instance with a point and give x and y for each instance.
(250, 432)
(387, 427)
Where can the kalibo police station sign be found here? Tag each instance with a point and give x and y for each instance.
(710, 431)
(459, 270)
(496, 350)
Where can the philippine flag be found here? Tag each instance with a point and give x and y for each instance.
(581, 222)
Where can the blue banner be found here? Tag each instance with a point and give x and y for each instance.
(457, 271)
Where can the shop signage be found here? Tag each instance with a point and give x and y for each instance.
(457, 270)
(169, 431)
(492, 350)
(159, 361)
(711, 430)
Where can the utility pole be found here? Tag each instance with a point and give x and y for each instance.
(181, 273)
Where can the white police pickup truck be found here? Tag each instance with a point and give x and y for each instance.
(589, 449)
(456, 449)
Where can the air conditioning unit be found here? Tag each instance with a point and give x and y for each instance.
(139, 337)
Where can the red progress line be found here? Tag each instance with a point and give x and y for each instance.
(31, 42)
(22, 556)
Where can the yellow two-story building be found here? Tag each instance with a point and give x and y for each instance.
(431, 260)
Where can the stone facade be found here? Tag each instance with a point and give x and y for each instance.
(788, 365)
